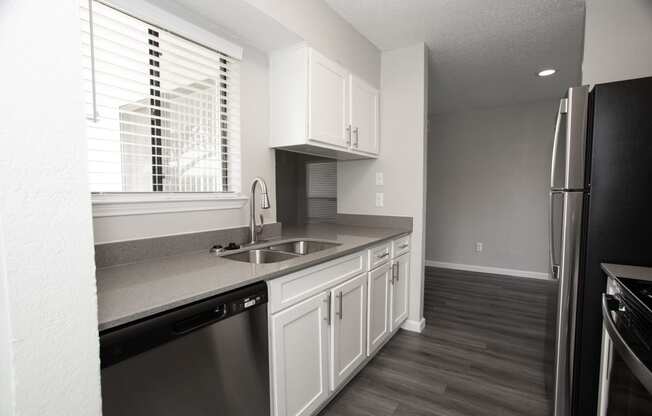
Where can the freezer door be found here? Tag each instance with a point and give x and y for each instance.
(568, 276)
(569, 145)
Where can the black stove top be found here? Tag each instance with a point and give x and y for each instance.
(638, 294)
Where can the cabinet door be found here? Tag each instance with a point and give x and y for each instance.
(349, 337)
(299, 343)
(378, 307)
(364, 116)
(327, 103)
(400, 278)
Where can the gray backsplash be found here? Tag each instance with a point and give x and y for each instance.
(111, 254)
(297, 202)
(388, 221)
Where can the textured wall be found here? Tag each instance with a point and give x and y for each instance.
(404, 86)
(617, 40)
(488, 181)
(46, 214)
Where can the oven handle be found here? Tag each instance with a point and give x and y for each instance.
(611, 304)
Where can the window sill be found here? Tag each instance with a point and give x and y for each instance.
(119, 204)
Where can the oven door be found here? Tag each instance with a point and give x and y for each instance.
(625, 379)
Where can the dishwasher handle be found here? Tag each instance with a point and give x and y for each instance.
(200, 320)
(125, 341)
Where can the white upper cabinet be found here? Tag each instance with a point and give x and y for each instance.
(327, 103)
(363, 107)
(318, 107)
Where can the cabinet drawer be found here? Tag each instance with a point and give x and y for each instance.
(295, 287)
(400, 246)
(379, 255)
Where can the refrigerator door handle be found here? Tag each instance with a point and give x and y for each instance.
(563, 109)
(554, 262)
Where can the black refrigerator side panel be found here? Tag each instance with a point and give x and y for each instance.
(619, 218)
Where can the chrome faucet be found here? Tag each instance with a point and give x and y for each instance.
(264, 204)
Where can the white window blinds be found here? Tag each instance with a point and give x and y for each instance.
(321, 191)
(163, 111)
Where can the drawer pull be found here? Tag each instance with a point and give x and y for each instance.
(382, 256)
(404, 245)
(341, 313)
(328, 315)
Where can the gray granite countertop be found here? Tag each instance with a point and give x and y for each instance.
(133, 291)
(627, 272)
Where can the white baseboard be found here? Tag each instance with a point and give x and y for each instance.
(487, 269)
(414, 326)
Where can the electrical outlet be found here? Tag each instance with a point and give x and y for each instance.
(379, 178)
(380, 199)
(478, 247)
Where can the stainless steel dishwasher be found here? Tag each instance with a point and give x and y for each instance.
(206, 358)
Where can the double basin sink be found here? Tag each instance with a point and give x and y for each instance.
(275, 252)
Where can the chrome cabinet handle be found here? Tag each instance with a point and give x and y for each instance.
(328, 315)
(382, 256)
(394, 272)
(348, 135)
(398, 275)
(355, 131)
(341, 312)
(405, 245)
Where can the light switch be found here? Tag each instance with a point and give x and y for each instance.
(379, 178)
(380, 199)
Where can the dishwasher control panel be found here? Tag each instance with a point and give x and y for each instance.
(248, 302)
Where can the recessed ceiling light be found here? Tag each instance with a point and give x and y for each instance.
(547, 72)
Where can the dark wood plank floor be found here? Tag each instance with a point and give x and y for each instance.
(487, 350)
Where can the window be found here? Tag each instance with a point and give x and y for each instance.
(321, 187)
(163, 111)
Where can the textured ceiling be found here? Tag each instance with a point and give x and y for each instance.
(483, 53)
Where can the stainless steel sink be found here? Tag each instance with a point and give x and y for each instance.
(260, 256)
(281, 251)
(302, 247)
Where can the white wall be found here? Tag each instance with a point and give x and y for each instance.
(488, 180)
(325, 30)
(617, 40)
(49, 294)
(6, 350)
(402, 158)
(257, 160)
(315, 22)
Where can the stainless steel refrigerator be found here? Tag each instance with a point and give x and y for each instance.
(600, 211)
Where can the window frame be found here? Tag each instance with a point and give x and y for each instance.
(107, 204)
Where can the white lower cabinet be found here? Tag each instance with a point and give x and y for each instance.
(378, 307)
(300, 356)
(326, 321)
(399, 291)
(349, 328)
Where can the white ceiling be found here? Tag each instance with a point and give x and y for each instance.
(483, 53)
(235, 20)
